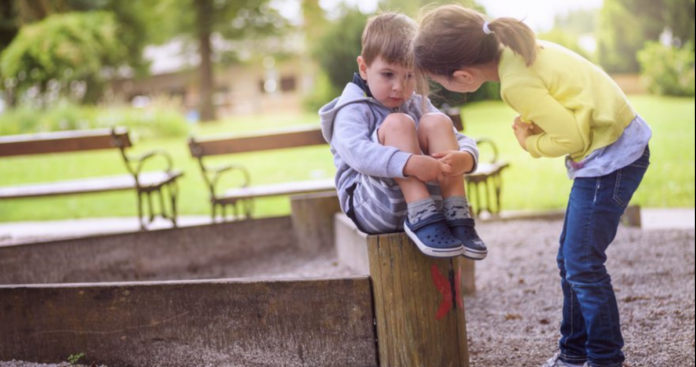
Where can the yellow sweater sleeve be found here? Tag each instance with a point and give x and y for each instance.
(561, 135)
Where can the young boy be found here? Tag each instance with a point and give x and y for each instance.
(400, 163)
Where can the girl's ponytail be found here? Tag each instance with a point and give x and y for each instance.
(517, 36)
(452, 37)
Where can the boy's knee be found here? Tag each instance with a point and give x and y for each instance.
(435, 122)
(397, 123)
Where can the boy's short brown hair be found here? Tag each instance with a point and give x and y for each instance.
(390, 36)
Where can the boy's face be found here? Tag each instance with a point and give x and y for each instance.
(390, 84)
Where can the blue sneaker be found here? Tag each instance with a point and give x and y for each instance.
(465, 231)
(433, 237)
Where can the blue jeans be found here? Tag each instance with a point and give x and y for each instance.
(591, 330)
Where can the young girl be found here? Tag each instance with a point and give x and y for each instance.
(568, 107)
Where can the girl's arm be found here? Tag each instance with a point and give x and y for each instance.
(561, 134)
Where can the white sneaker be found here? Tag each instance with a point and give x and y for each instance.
(556, 362)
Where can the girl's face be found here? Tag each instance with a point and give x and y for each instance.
(463, 81)
(390, 84)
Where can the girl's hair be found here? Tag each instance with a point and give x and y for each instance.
(452, 37)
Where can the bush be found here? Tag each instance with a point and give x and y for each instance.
(157, 121)
(668, 70)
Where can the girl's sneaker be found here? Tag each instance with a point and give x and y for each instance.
(556, 362)
(465, 231)
(433, 237)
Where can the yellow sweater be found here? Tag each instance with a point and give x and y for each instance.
(579, 107)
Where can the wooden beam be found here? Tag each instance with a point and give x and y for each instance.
(327, 323)
(419, 310)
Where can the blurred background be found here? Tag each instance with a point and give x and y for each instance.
(168, 69)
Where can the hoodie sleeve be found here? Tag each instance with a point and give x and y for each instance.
(351, 140)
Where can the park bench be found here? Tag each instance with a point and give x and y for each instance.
(144, 183)
(240, 199)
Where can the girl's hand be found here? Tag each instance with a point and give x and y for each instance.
(531, 126)
(461, 162)
(522, 134)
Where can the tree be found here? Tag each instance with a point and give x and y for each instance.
(139, 23)
(413, 8)
(232, 20)
(63, 48)
(626, 25)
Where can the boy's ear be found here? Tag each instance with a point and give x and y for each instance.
(362, 67)
(463, 76)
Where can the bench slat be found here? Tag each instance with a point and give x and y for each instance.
(252, 143)
(91, 185)
(289, 188)
(61, 142)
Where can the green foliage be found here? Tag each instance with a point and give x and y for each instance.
(668, 70)
(162, 120)
(63, 48)
(339, 49)
(74, 358)
(626, 25)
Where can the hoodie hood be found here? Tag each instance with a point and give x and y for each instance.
(351, 94)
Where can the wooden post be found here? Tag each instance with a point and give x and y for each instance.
(313, 219)
(632, 217)
(419, 306)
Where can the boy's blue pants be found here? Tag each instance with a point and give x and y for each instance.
(591, 330)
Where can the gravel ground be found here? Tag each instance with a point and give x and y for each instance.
(514, 316)
(513, 319)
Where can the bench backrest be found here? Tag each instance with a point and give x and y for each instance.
(63, 142)
(291, 138)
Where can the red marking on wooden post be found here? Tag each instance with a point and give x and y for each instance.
(445, 288)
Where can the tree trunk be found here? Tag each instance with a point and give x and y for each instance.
(204, 9)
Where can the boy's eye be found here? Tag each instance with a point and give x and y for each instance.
(387, 75)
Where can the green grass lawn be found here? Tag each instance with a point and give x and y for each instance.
(529, 183)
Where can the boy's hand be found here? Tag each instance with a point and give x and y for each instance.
(461, 162)
(426, 169)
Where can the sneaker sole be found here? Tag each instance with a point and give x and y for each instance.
(474, 255)
(429, 251)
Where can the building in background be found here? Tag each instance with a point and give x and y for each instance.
(268, 86)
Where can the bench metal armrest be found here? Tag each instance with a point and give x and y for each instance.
(212, 175)
(487, 141)
(135, 164)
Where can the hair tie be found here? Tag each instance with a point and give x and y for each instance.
(487, 30)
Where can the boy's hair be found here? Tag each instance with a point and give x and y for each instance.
(389, 36)
(452, 37)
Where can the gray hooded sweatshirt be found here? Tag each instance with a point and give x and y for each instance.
(348, 123)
